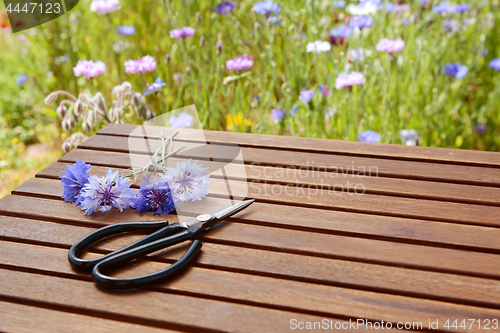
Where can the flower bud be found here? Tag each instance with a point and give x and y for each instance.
(66, 146)
(51, 98)
(198, 16)
(64, 125)
(61, 110)
(78, 109)
(100, 103)
(203, 41)
(167, 58)
(86, 127)
(219, 48)
(71, 124)
(126, 86)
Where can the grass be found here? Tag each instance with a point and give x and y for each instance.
(407, 91)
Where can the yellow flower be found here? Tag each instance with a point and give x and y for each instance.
(15, 140)
(238, 120)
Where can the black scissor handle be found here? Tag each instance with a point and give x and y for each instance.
(114, 229)
(109, 282)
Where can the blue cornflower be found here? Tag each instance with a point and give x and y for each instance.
(154, 87)
(188, 181)
(102, 194)
(361, 22)
(73, 179)
(154, 195)
(224, 7)
(294, 110)
(21, 79)
(460, 8)
(389, 7)
(456, 70)
(338, 3)
(267, 7)
(495, 64)
(274, 20)
(338, 34)
(126, 30)
(183, 120)
(484, 52)
(405, 21)
(480, 128)
(277, 115)
(451, 25)
(306, 96)
(424, 2)
(369, 136)
(323, 88)
(442, 7)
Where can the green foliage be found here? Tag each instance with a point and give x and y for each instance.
(408, 91)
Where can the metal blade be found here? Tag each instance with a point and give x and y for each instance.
(233, 209)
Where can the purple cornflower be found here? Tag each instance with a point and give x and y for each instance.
(323, 88)
(241, 63)
(89, 68)
(224, 7)
(349, 80)
(460, 8)
(306, 96)
(126, 30)
(294, 110)
(442, 7)
(102, 194)
(73, 179)
(140, 65)
(153, 195)
(188, 181)
(182, 33)
(390, 45)
(267, 7)
(338, 3)
(369, 136)
(409, 137)
(277, 115)
(104, 6)
(456, 70)
(339, 34)
(154, 87)
(480, 129)
(451, 25)
(361, 22)
(21, 79)
(183, 120)
(495, 64)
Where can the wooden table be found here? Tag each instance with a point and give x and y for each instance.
(418, 242)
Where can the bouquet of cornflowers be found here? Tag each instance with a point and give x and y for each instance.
(188, 181)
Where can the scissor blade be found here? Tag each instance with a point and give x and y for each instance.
(233, 209)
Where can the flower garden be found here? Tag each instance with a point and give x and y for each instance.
(403, 72)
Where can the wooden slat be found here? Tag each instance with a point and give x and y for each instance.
(347, 164)
(164, 310)
(450, 287)
(363, 225)
(335, 147)
(28, 319)
(324, 199)
(227, 286)
(318, 179)
(359, 249)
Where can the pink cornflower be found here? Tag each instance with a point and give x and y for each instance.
(349, 80)
(182, 32)
(89, 68)
(104, 6)
(241, 63)
(141, 65)
(390, 45)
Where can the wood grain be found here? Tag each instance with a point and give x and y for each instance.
(329, 272)
(28, 319)
(348, 164)
(333, 147)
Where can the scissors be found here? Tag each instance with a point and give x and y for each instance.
(165, 235)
